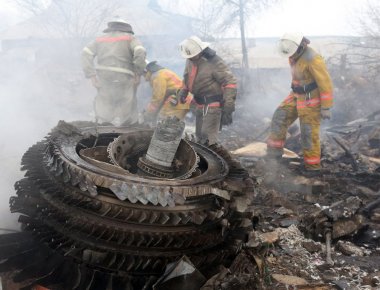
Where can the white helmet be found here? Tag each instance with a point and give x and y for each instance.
(289, 44)
(117, 19)
(192, 46)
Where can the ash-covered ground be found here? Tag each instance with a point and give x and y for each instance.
(318, 232)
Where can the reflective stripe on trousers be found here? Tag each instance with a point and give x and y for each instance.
(309, 116)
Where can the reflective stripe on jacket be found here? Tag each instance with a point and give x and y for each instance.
(116, 51)
(308, 68)
(210, 77)
(165, 83)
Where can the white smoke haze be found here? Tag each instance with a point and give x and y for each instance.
(34, 97)
(41, 80)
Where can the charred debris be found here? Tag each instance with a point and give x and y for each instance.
(135, 208)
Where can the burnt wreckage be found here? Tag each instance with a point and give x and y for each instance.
(107, 207)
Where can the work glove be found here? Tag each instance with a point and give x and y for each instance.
(325, 114)
(173, 100)
(227, 115)
(182, 95)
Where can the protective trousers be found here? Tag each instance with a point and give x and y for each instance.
(116, 100)
(308, 111)
(207, 123)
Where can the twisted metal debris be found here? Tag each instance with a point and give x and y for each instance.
(89, 222)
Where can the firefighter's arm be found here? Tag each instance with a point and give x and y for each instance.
(158, 94)
(322, 77)
(139, 54)
(224, 76)
(183, 91)
(185, 85)
(87, 58)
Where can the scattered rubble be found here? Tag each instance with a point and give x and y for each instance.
(322, 232)
(315, 233)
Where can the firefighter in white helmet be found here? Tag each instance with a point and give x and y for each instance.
(310, 100)
(120, 63)
(213, 86)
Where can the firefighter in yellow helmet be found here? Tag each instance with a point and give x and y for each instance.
(164, 83)
(310, 100)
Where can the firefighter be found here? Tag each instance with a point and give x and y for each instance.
(165, 83)
(120, 63)
(310, 100)
(213, 87)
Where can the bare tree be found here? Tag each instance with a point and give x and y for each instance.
(207, 17)
(71, 18)
(33, 7)
(217, 16)
(220, 16)
(363, 53)
(355, 69)
(236, 14)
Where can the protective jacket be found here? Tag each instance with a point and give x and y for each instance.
(165, 83)
(310, 68)
(312, 90)
(120, 61)
(213, 86)
(116, 51)
(209, 77)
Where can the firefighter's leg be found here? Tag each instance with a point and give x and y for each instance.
(125, 110)
(310, 126)
(283, 117)
(208, 128)
(198, 123)
(103, 104)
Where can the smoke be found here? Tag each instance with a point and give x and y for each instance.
(34, 95)
(41, 82)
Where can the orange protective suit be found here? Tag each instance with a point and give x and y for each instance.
(307, 69)
(164, 84)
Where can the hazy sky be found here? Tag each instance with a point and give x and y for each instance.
(311, 17)
(8, 14)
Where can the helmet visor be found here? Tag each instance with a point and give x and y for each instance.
(287, 48)
(189, 48)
